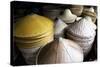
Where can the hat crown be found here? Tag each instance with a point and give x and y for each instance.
(32, 25)
(91, 9)
(68, 13)
(68, 17)
(62, 51)
(83, 28)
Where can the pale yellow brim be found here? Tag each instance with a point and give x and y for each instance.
(50, 34)
(40, 43)
(36, 37)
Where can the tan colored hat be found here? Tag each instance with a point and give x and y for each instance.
(62, 51)
(77, 9)
(90, 12)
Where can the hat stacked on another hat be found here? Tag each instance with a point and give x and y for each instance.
(82, 32)
(90, 12)
(32, 32)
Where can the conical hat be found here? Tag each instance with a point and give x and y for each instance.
(83, 28)
(58, 52)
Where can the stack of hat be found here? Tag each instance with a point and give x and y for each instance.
(31, 33)
(68, 17)
(82, 32)
(90, 12)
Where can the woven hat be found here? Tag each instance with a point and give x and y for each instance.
(83, 33)
(84, 28)
(90, 12)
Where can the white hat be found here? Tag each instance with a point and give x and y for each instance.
(83, 28)
(68, 17)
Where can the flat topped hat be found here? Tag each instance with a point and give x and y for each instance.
(83, 28)
(68, 17)
(31, 33)
(60, 51)
(32, 26)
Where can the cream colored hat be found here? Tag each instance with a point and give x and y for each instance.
(68, 17)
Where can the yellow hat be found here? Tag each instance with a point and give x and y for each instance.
(33, 31)
(32, 25)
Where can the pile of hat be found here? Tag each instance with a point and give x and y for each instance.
(82, 32)
(42, 40)
(90, 12)
(31, 32)
(79, 23)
